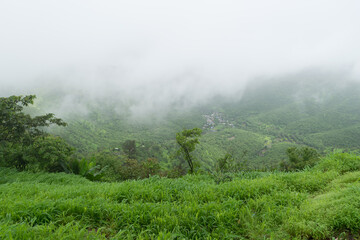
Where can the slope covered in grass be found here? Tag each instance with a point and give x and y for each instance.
(317, 203)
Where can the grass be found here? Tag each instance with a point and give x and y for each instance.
(318, 203)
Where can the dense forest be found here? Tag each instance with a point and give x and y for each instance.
(279, 162)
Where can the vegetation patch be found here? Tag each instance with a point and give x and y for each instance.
(314, 203)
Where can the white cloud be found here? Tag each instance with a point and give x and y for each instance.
(159, 52)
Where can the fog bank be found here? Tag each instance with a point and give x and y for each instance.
(152, 55)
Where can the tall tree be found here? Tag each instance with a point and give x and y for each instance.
(19, 127)
(19, 131)
(187, 140)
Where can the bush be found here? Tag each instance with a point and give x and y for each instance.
(134, 169)
(118, 169)
(14, 155)
(46, 153)
(49, 153)
(341, 162)
(86, 169)
(299, 158)
(176, 171)
(151, 167)
(226, 166)
(112, 161)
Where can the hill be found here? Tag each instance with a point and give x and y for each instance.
(268, 118)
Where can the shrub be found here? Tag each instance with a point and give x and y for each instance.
(151, 167)
(87, 169)
(176, 171)
(341, 162)
(226, 166)
(49, 153)
(299, 158)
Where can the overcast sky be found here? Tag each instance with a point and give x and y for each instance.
(161, 51)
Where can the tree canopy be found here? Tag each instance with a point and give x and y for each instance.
(17, 126)
(187, 140)
(299, 158)
(23, 140)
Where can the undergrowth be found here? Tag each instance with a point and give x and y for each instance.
(318, 203)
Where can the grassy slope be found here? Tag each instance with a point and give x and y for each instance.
(318, 203)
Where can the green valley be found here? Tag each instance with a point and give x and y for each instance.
(266, 120)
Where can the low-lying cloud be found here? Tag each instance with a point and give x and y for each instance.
(154, 54)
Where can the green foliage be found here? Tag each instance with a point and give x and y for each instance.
(21, 143)
(341, 162)
(187, 140)
(110, 161)
(46, 153)
(49, 153)
(14, 155)
(215, 145)
(334, 213)
(134, 169)
(151, 167)
(299, 158)
(176, 171)
(129, 148)
(86, 168)
(223, 164)
(130, 169)
(310, 204)
(17, 126)
(229, 164)
(269, 118)
(226, 166)
(118, 167)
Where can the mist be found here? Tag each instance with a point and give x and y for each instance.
(155, 55)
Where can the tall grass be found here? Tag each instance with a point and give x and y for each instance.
(317, 203)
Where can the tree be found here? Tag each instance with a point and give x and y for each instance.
(49, 153)
(19, 127)
(228, 164)
(187, 140)
(19, 131)
(129, 148)
(299, 158)
(150, 167)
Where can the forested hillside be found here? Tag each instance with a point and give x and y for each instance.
(257, 127)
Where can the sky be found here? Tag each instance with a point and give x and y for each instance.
(153, 54)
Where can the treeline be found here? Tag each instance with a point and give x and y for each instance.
(25, 145)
